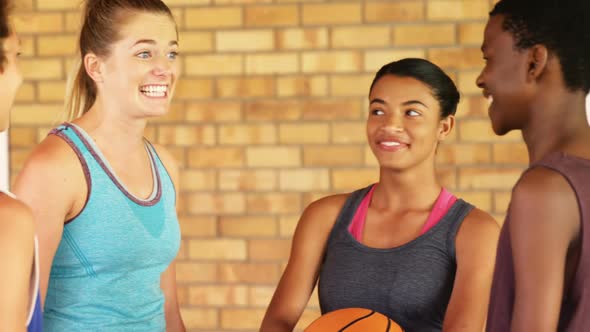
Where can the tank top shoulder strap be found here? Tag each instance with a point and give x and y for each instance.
(454, 219)
(8, 193)
(76, 141)
(160, 167)
(349, 209)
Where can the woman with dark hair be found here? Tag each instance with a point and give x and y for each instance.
(20, 308)
(405, 246)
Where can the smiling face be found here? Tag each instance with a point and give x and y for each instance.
(504, 78)
(404, 124)
(141, 71)
(10, 78)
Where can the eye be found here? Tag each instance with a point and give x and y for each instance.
(377, 112)
(143, 55)
(413, 113)
(172, 55)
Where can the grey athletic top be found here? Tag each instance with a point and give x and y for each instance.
(410, 284)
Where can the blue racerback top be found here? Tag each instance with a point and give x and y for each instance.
(106, 271)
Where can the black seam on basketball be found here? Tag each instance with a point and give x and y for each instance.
(356, 320)
(388, 325)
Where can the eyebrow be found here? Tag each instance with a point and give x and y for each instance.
(153, 42)
(405, 103)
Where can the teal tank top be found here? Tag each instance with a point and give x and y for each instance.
(105, 275)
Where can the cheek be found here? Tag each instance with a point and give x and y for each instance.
(425, 133)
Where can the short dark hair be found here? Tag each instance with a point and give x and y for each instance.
(4, 29)
(560, 25)
(442, 86)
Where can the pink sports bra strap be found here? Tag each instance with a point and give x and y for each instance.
(442, 205)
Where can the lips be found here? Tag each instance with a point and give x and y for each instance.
(392, 144)
(488, 96)
(154, 90)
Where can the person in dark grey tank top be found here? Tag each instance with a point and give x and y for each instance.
(538, 76)
(404, 247)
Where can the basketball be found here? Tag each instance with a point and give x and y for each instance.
(353, 320)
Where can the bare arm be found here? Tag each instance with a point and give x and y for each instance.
(544, 223)
(16, 255)
(168, 278)
(52, 184)
(300, 275)
(476, 251)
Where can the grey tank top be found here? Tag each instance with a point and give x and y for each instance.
(410, 284)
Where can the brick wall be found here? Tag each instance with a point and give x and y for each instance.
(268, 116)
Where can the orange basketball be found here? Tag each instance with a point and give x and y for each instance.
(353, 320)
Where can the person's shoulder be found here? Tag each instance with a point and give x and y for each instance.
(541, 184)
(543, 203)
(479, 224)
(327, 205)
(480, 218)
(52, 149)
(16, 219)
(53, 154)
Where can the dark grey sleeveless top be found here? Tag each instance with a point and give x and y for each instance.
(410, 284)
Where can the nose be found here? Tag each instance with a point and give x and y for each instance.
(395, 122)
(163, 67)
(479, 80)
